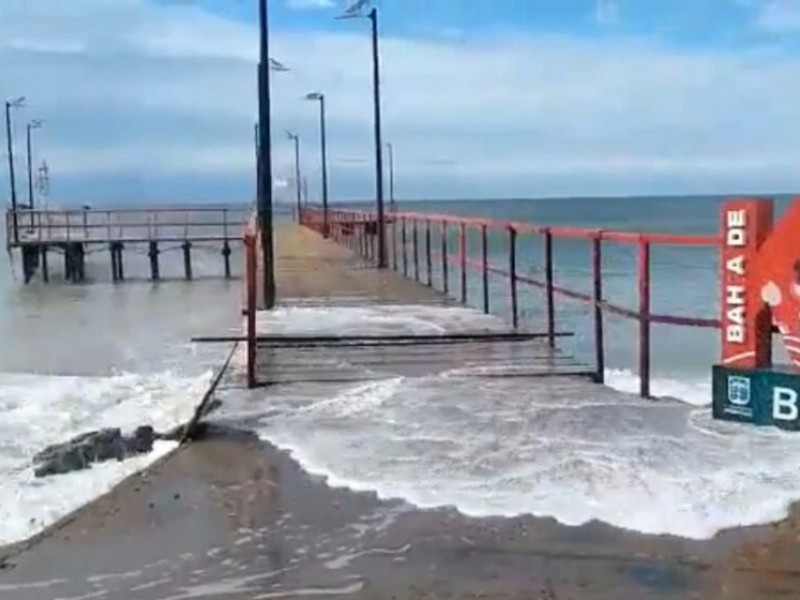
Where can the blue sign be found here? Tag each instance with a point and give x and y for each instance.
(757, 396)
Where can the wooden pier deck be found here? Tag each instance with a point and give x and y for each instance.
(321, 275)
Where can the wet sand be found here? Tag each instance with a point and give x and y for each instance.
(229, 516)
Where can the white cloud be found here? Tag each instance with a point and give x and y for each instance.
(165, 98)
(779, 16)
(310, 4)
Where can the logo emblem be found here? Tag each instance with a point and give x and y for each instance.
(738, 390)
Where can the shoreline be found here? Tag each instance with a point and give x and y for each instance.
(230, 508)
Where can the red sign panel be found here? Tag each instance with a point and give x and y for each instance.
(760, 282)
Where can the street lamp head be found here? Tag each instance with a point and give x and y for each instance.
(355, 10)
(278, 66)
(314, 96)
(290, 135)
(17, 102)
(36, 123)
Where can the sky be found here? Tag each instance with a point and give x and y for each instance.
(155, 100)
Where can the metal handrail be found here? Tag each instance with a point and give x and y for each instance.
(350, 227)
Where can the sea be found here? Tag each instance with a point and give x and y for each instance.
(79, 357)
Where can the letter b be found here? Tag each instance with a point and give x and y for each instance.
(784, 404)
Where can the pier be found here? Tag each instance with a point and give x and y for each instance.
(430, 261)
(72, 234)
(232, 516)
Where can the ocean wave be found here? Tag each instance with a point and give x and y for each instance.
(693, 391)
(494, 448)
(39, 410)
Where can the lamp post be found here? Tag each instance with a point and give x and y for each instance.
(392, 206)
(320, 97)
(263, 139)
(296, 139)
(17, 103)
(355, 11)
(264, 169)
(35, 124)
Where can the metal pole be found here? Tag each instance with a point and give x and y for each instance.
(11, 171)
(265, 159)
(255, 140)
(297, 171)
(30, 171)
(376, 85)
(258, 163)
(392, 206)
(324, 158)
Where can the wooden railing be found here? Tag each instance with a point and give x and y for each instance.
(357, 230)
(125, 225)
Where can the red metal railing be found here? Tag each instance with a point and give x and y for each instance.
(356, 230)
(250, 240)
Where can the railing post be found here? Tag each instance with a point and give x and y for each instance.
(403, 243)
(462, 248)
(353, 234)
(644, 318)
(362, 231)
(512, 273)
(597, 297)
(428, 258)
(251, 310)
(415, 242)
(548, 269)
(394, 242)
(445, 271)
(371, 243)
(485, 267)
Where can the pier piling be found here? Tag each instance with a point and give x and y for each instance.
(120, 267)
(226, 255)
(117, 272)
(80, 262)
(153, 252)
(45, 271)
(68, 262)
(113, 251)
(30, 259)
(187, 259)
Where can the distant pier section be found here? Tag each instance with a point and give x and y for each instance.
(68, 235)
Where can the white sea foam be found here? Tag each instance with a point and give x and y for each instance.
(694, 391)
(499, 447)
(38, 410)
(394, 319)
